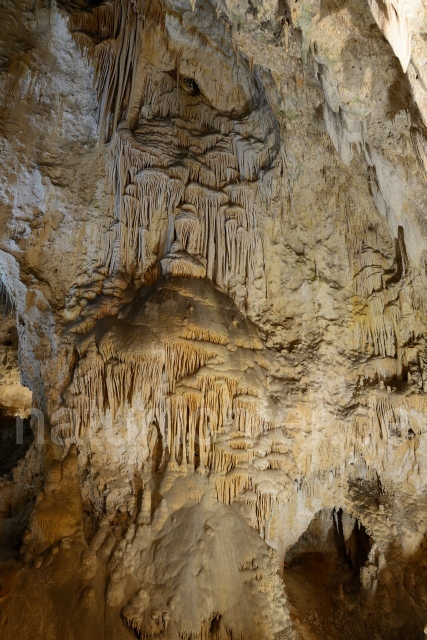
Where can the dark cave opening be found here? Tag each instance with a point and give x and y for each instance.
(215, 625)
(322, 572)
(15, 399)
(356, 547)
(16, 437)
(334, 534)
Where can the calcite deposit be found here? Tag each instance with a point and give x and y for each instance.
(213, 292)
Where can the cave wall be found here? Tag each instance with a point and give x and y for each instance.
(212, 233)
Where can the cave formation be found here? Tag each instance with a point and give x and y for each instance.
(213, 296)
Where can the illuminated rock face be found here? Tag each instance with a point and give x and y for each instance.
(213, 244)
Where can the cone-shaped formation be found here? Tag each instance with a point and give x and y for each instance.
(197, 368)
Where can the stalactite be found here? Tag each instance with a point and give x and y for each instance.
(220, 162)
(174, 193)
(224, 457)
(199, 172)
(231, 227)
(248, 159)
(263, 507)
(206, 117)
(378, 436)
(187, 226)
(229, 486)
(243, 194)
(252, 156)
(111, 36)
(280, 460)
(247, 416)
(10, 83)
(192, 332)
(219, 152)
(85, 43)
(101, 382)
(104, 239)
(182, 359)
(269, 185)
(6, 298)
(185, 138)
(99, 20)
(124, 68)
(207, 203)
(379, 326)
(180, 263)
(149, 193)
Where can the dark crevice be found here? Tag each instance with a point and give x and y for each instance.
(16, 437)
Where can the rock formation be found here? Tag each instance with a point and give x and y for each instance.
(213, 288)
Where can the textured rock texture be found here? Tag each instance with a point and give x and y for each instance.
(213, 266)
